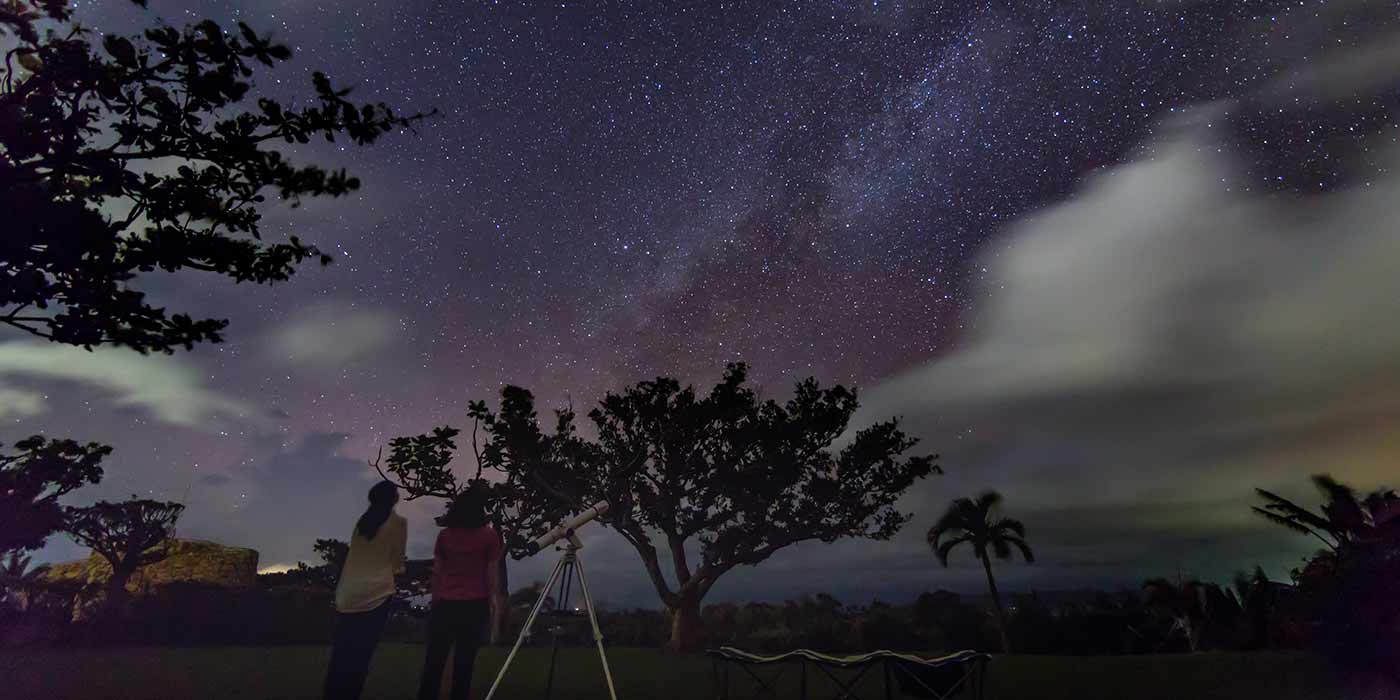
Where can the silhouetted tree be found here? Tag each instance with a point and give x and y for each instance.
(129, 535)
(33, 478)
(333, 553)
(741, 477)
(15, 565)
(1350, 592)
(17, 580)
(1344, 518)
(416, 580)
(525, 598)
(137, 156)
(326, 574)
(948, 622)
(1262, 603)
(1182, 604)
(975, 523)
(1194, 609)
(1033, 624)
(886, 627)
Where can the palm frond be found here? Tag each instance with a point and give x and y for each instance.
(1011, 525)
(1343, 510)
(944, 549)
(987, 501)
(1334, 490)
(1298, 527)
(956, 517)
(1025, 548)
(1283, 521)
(941, 530)
(1000, 548)
(1282, 506)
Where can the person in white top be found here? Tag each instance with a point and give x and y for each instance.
(362, 597)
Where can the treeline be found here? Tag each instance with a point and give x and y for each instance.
(1090, 623)
(296, 608)
(1344, 601)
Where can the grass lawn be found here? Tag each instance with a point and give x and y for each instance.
(295, 672)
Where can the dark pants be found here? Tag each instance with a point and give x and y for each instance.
(356, 636)
(453, 623)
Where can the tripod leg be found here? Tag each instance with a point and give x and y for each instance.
(560, 603)
(597, 632)
(525, 631)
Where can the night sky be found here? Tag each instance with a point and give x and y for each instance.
(1122, 261)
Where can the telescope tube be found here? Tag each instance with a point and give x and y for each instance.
(568, 528)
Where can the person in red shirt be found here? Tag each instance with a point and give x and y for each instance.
(466, 594)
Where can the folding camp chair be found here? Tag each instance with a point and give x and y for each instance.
(765, 684)
(944, 678)
(941, 682)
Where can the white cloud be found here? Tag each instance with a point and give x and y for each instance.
(169, 388)
(331, 335)
(1162, 335)
(1159, 343)
(1157, 275)
(20, 403)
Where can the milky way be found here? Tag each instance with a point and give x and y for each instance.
(615, 191)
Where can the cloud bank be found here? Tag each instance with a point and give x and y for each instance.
(166, 387)
(1167, 337)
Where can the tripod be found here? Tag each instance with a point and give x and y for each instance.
(569, 565)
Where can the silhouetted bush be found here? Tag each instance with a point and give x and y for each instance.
(949, 623)
(190, 614)
(1351, 603)
(885, 627)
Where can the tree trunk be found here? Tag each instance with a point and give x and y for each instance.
(996, 601)
(687, 629)
(116, 594)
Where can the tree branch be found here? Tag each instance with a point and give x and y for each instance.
(476, 451)
(678, 558)
(653, 567)
(19, 323)
(414, 492)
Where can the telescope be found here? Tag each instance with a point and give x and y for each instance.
(567, 529)
(570, 567)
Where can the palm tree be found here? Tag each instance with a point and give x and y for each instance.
(1344, 518)
(975, 523)
(17, 581)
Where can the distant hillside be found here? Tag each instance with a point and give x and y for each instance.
(189, 561)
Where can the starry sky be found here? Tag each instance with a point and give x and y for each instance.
(1121, 261)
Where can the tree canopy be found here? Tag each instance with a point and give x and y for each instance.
(33, 478)
(128, 534)
(736, 477)
(140, 155)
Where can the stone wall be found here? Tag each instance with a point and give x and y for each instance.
(189, 561)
